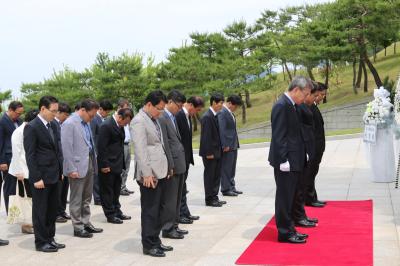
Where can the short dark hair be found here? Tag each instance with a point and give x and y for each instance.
(176, 96)
(106, 105)
(32, 114)
(77, 106)
(125, 112)
(197, 101)
(235, 100)
(46, 101)
(14, 105)
(64, 108)
(155, 97)
(122, 102)
(322, 86)
(89, 104)
(216, 97)
(314, 87)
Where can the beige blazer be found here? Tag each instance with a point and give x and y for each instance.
(149, 154)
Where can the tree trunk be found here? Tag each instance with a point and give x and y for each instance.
(354, 75)
(248, 103)
(309, 72)
(375, 53)
(394, 47)
(294, 70)
(373, 70)
(288, 72)
(359, 75)
(283, 71)
(385, 51)
(365, 77)
(243, 110)
(325, 100)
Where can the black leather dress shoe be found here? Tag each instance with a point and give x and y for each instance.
(314, 220)
(181, 231)
(57, 245)
(237, 191)
(173, 235)
(114, 220)
(91, 229)
(305, 223)
(124, 217)
(66, 216)
(4, 242)
(300, 235)
(185, 220)
(61, 219)
(229, 194)
(294, 239)
(165, 248)
(154, 252)
(316, 205)
(321, 202)
(83, 234)
(214, 204)
(222, 202)
(47, 248)
(193, 217)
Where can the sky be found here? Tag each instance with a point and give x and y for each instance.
(39, 37)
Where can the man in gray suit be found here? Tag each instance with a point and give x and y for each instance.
(177, 166)
(104, 110)
(80, 165)
(151, 170)
(230, 144)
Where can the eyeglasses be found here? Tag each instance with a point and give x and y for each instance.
(159, 109)
(180, 105)
(53, 111)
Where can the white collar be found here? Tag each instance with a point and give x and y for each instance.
(115, 120)
(212, 110)
(185, 111)
(227, 109)
(44, 121)
(290, 98)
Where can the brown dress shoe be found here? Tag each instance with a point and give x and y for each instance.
(27, 229)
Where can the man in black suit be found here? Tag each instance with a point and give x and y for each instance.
(44, 160)
(8, 123)
(230, 145)
(111, 162)
(299, 215)
(311, 197)
(176, 166)
(63, 113)
(104, 110)
(211, 151)
(288, 156)
(193, 106)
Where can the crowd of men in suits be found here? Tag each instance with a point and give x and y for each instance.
(297, 147)
(87, 152)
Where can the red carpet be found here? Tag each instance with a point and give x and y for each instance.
(342, 237)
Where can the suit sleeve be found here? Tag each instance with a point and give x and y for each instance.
(206, 137)
(140, 148)
(166, 134)
(224, 132)
(3, 159)
(67, 131)
(279, 132)
(103, 140)
(30, 142)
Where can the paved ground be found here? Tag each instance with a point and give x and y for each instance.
(222, 234)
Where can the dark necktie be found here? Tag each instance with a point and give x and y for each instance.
(157, 128)
(50, 132)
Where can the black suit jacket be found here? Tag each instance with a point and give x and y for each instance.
(43, 155)
(110, 146)
(307, 129)
(319, 130)
(7, 127)
(95, 126)
(210, 142)
(287, 143)
(185, 130)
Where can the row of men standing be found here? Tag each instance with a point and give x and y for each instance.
(297, 147)
(53, 153)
